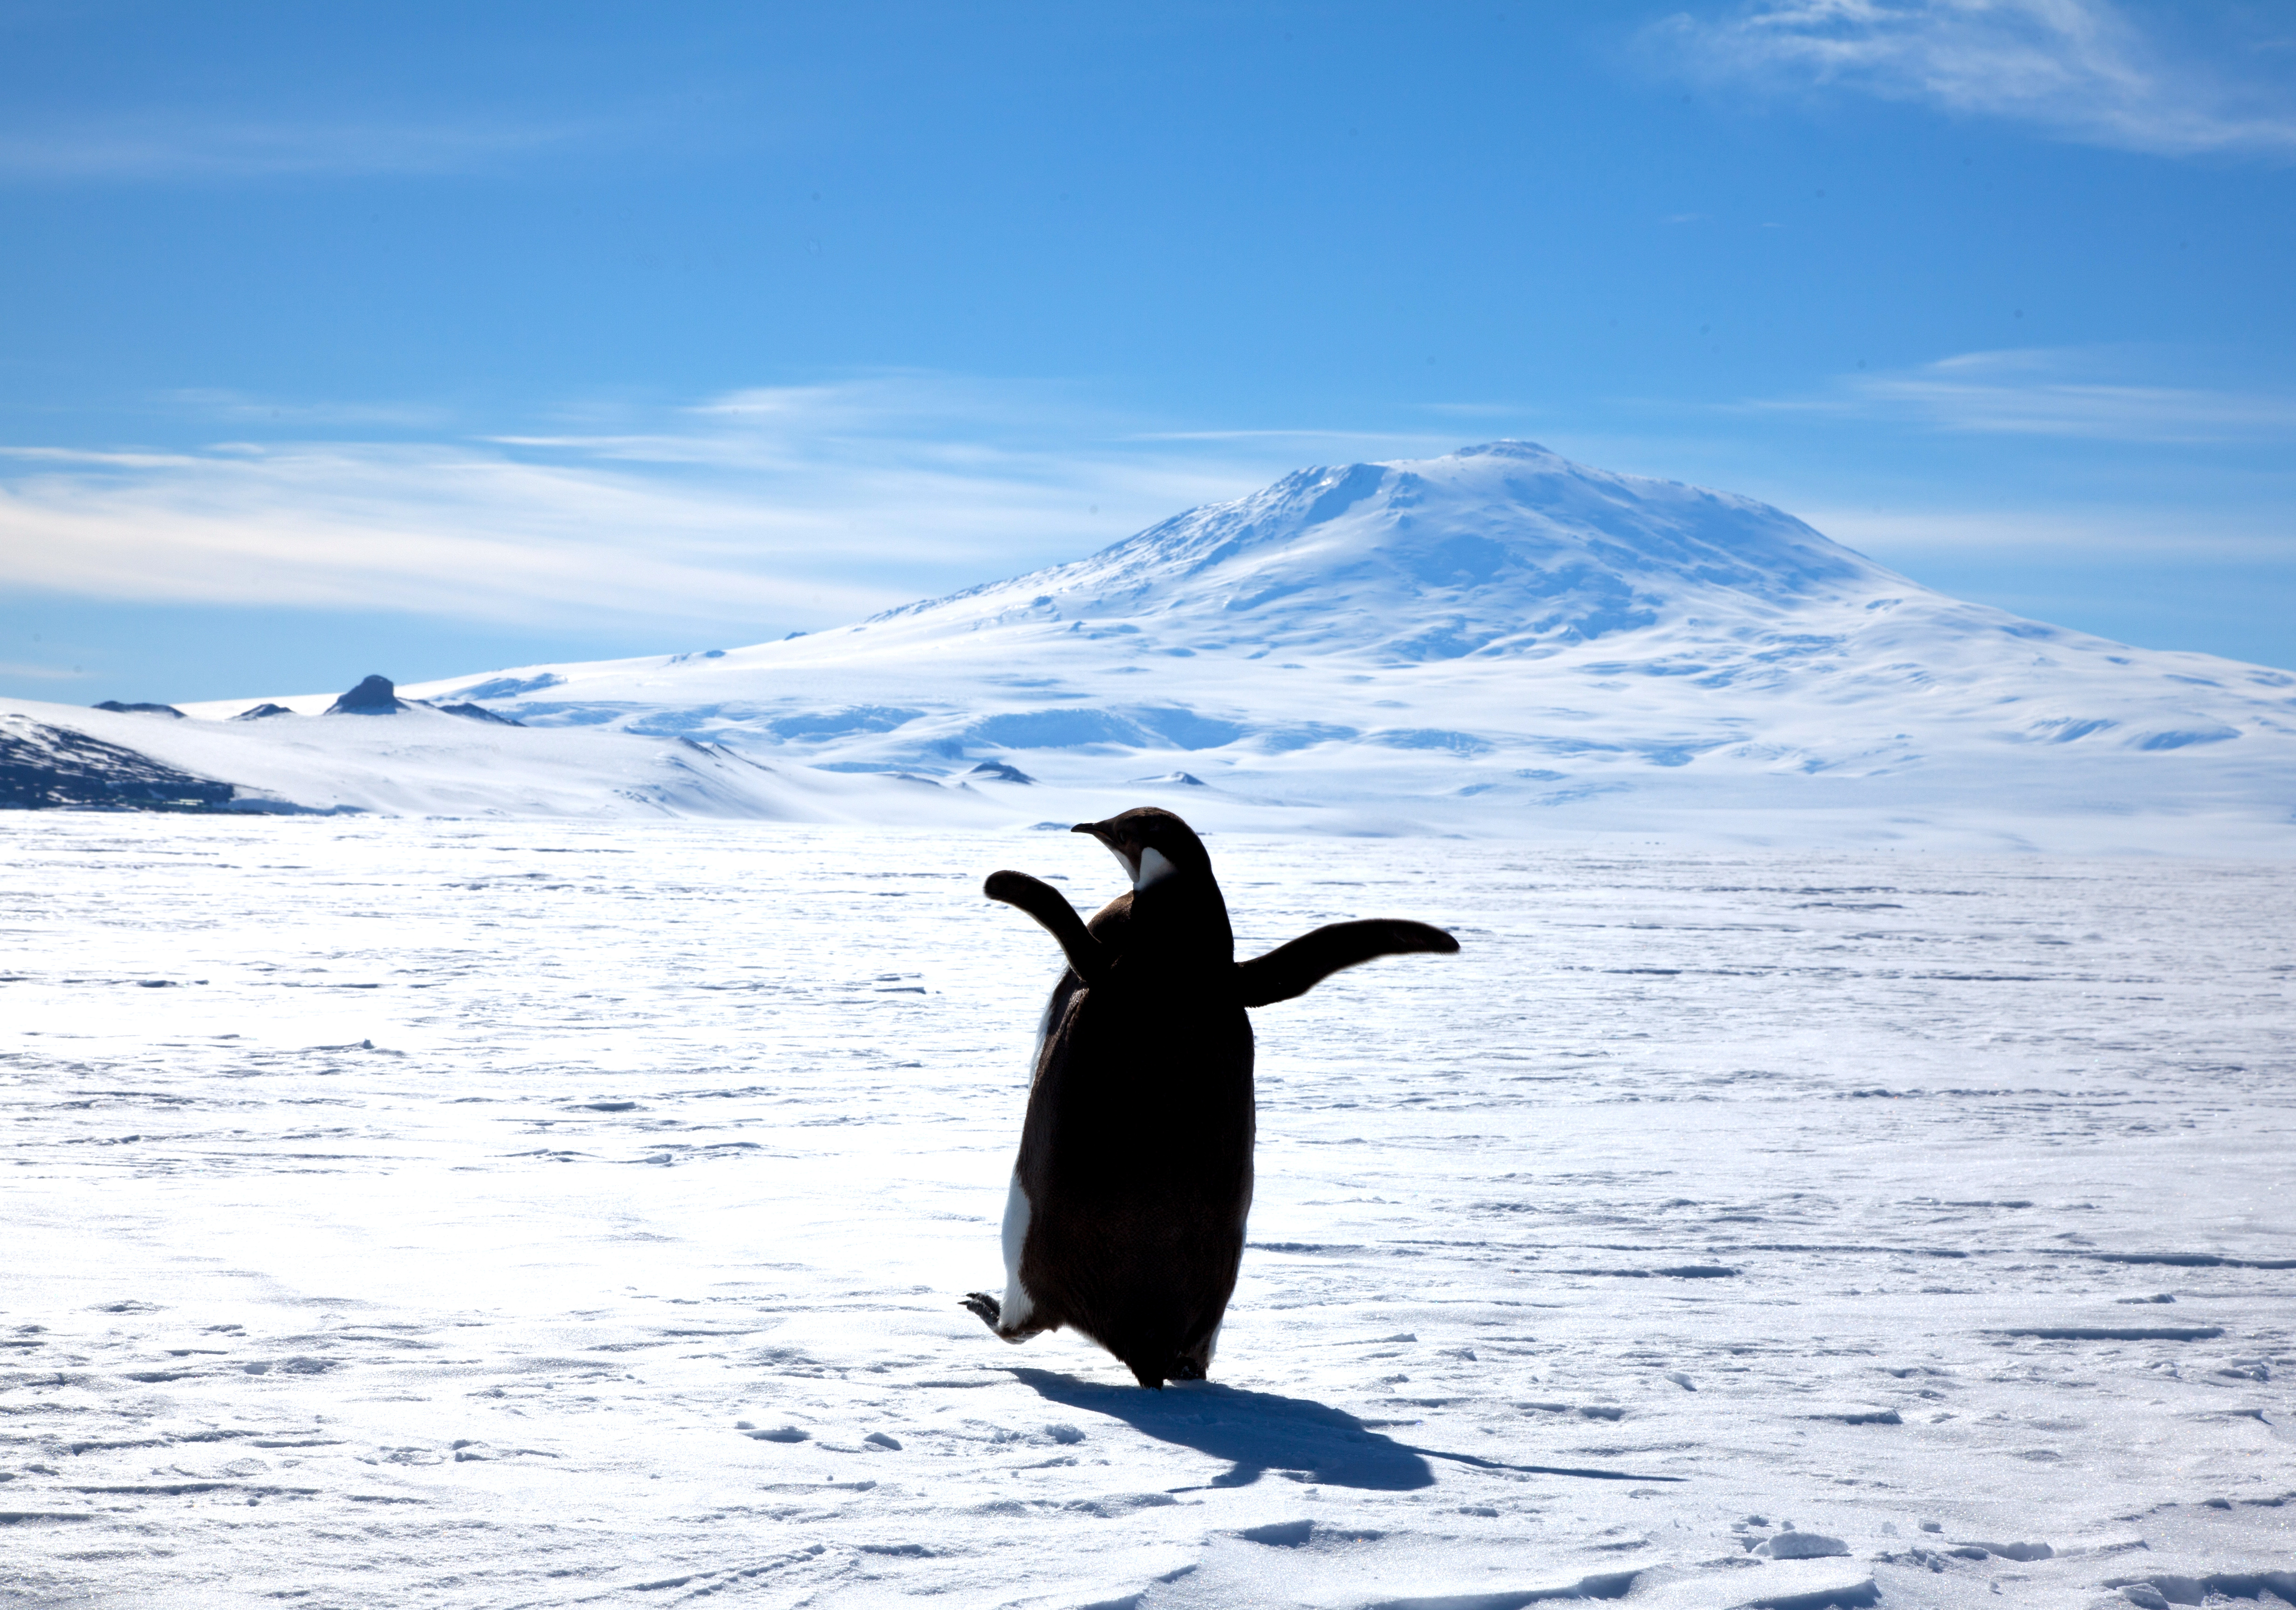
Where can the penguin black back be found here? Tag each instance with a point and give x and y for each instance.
(1126, 1215)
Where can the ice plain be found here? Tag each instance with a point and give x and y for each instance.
(549, 1212)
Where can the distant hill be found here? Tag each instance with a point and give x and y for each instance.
(1494, 641)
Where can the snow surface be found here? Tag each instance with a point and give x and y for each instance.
(1498, 642)
(436, 1213)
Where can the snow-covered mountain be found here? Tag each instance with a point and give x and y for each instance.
(1497, 640)
(422, 761)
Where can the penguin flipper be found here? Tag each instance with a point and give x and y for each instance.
(1295, 968)
(1052, 912)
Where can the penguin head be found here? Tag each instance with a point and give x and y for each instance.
(1152, 845)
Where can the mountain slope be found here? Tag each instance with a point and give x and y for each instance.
(426, 762)
(1474, 643)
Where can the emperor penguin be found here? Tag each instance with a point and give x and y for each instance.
(1125, 1218)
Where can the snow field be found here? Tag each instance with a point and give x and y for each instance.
(409, 1213)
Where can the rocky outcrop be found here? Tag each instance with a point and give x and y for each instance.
(476, 713)
(47, 767)
(375, 697)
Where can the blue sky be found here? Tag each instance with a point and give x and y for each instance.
(429, 339)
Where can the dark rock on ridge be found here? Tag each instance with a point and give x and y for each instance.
(257, 712)
(475, 712)
(375, 697)
(378, 696)
(1183, 778)
(1001, 771)
(114, 706)
(45, 768)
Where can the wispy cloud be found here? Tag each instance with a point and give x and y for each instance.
(1908, 537)
(197, 147)
(2081, 68)
(2040, 391)
(767, 508)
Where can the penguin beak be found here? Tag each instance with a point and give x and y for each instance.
(1125, 855)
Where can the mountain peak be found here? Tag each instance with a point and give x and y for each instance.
(1500, 547)
(1507, 446)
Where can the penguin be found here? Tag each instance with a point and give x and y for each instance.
(1126, 1213)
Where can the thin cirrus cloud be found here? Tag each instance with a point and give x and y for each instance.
(774, 507)
(2053, 392)
(2081, 68)
(440, 530)
(42, 673)
(2093, 535)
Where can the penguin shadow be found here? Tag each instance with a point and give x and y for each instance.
(1258, 1431)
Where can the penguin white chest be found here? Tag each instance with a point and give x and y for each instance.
(1155, 867)
(1018, 1304)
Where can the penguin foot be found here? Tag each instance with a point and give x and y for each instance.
(1176, 1370)
(991, 1311)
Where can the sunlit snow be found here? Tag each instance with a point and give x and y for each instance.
(416, 1213)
